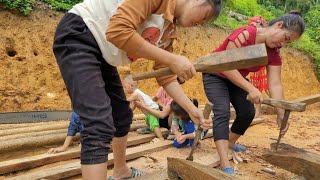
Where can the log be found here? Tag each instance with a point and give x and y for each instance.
(34, 128)
(43, 159)
(180, 168)
(295, 160)
(310, 99)
(33, 134)
(34, 142)
(72, 169)
(287, 105)
(29, 125)
(43, 139)
(249, 56)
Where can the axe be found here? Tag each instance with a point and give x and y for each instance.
(288, 106)
(206, 114)
(238, 58)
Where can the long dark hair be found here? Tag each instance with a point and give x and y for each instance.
(291, 21)
(179, 111)
(216, 7)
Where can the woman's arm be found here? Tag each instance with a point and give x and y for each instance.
(236, 78)
(275, 88)
(175, 91)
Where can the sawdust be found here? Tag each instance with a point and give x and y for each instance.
(30, 78)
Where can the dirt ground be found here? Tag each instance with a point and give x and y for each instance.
(30, 80)
(257, 139)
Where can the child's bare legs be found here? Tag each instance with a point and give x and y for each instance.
(158, 133)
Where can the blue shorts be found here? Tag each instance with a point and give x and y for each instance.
(75, 126)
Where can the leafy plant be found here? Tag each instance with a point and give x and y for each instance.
(313, 24)
(62, 5)
(23, 6)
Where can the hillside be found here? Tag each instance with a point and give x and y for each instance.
(30, 78)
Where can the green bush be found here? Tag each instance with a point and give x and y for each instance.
(23, 6)
(62, 5)
(250, 8)
(313, 24)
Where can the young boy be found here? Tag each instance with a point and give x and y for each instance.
(131, 87)
(74, 127)
(182, 126)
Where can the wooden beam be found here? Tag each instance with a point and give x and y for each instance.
(43, 159)
(249, 56)
(295, 160)
(310, 99)
(287, 105)
(181, 168)
(40, 139)
(34, 127)
(72, 169)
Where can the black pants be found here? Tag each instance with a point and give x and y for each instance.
(220, 92)
(94, 87)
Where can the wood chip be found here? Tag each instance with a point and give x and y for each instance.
(268, 170)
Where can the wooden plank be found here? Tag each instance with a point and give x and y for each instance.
(195, 171)
(295, 160)
(43, 159)
(34, 127)
(163, 174)
(43, 139)
(72, 169)
(310, 99)
(287, 105)
(249, 56)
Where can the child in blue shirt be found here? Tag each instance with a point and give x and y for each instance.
(182, 125)
(74, 127)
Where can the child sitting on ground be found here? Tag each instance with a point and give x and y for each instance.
(131, 88)
(74, 127)
(182, 125)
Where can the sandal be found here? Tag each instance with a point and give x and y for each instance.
(144, 130)
(238, 148)
(229, 170)
(134, 173)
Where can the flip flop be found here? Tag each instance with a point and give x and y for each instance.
(144, 130)
(229, 170)
(238, 148)
(134, 173)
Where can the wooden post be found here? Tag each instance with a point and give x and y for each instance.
(192, 170)
(295, 160)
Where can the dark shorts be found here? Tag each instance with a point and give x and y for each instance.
(221, 92)
(94, 87)
(74, 126)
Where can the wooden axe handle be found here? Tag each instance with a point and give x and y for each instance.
(206, 114)
(283, 104)
(243, 57)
